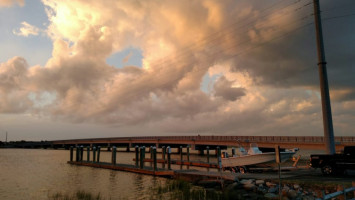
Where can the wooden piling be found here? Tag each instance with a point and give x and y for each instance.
(136, 149)
(169, 161)
(155, 158)
(114, 150)
(141, 160)
(71, 153)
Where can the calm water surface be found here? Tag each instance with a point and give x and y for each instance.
(37, 174)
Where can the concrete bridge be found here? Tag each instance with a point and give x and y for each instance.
(201, 142)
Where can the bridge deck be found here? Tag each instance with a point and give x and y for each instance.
(201, 142)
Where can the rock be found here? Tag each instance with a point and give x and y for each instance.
(308, 198)
(262, 190)
(249, 186)
(273, 189)
(232, 186)
(271, 196)
(292, 194)
(296, 186)
(236, 179)
(285, 188)
(247, 181)
(258, 182)
(269, 184)
(285, 198)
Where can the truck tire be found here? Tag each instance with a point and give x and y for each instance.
(328, 170)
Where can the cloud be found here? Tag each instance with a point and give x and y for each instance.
(224, 89)
(265, 60)
(9, 3)
(26, 30)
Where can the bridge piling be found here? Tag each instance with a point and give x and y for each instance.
(88, 153)
(208, 154)
(94, 154)
(233, 152)
(98, 153)
(71, 153)
(163, 151)
(81, 152)
(114, 150)
(155, 158)
(77, 154)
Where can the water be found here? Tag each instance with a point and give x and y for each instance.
(38, 174)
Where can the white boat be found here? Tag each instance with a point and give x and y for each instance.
(254, 156)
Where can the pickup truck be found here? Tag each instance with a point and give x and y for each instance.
(336, 163)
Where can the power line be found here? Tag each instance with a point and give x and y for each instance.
(339, 16)
(224, 33)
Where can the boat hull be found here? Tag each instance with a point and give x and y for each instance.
(255, 159)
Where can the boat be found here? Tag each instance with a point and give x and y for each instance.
(253, 156)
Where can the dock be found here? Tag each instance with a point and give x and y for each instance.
(126, 168)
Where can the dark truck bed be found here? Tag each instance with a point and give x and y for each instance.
(336, 163)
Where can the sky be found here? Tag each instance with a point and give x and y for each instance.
(117, 68)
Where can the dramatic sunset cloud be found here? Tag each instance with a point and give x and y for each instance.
(26, 30)
(209, 67)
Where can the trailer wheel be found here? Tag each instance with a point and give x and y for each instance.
(242, 170)
(328, 170)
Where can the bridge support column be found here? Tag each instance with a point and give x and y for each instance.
(98, 153)
(201, 152)
(188, 153)
(88, 153)
(94, 154)
(163, 151)
(180, 151)
(155, 158)
(108, 147)
(77, 153)
(114, 150)
(71, 154)
(233, 152)
(128, 148)
(208, 154)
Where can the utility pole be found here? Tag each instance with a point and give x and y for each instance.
(6, 136)
(324, 88)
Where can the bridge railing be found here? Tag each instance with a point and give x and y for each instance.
(281, 139)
